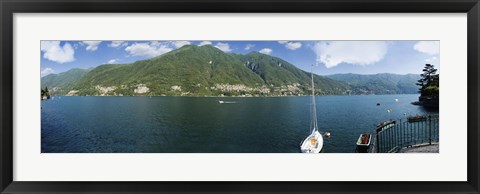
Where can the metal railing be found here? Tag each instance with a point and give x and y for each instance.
(408, 133)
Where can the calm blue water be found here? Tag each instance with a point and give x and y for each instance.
(202, 125)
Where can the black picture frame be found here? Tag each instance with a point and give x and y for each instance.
(9, 7)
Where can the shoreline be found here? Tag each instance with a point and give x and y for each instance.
(240, 96)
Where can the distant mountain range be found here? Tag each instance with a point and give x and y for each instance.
(207, 71)
(382, 83)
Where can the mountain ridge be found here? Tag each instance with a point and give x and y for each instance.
(198, 71)
(380, 83)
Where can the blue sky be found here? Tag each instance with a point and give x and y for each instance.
(329, 57)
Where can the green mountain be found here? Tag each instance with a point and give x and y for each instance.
(190, 70)
(207, 71)
(276, 72)
(62, 83)
(195, 71)
(383, 83)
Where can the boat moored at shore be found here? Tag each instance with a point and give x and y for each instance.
(416, 118)
(385, 125)
(364, 142)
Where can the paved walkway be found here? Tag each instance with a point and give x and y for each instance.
(421, 149)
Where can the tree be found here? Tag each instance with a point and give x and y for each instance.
(428, 78)
(45, 93)
(429, 86)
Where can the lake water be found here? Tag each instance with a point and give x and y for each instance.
(203, 125)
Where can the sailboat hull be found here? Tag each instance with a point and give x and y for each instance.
(313, 143)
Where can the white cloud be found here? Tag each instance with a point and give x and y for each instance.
(181, 43)
(224, 47)
(157, 43)
(46, 71)
(266, 51)
(291, 45)
(151, 49)
(112, 61)
(332, 53)
(116, 44)
(431, 59)
(428, 47)
(54, 52)
(92, 45)
(249, 46)
(205, 43)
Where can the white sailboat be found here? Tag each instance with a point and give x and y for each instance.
(314, 142)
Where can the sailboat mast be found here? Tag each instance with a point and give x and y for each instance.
(314, 107)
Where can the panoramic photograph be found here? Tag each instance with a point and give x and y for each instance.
(232, 96)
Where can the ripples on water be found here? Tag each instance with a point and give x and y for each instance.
(203, 125)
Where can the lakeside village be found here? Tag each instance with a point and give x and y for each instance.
(417, 133)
